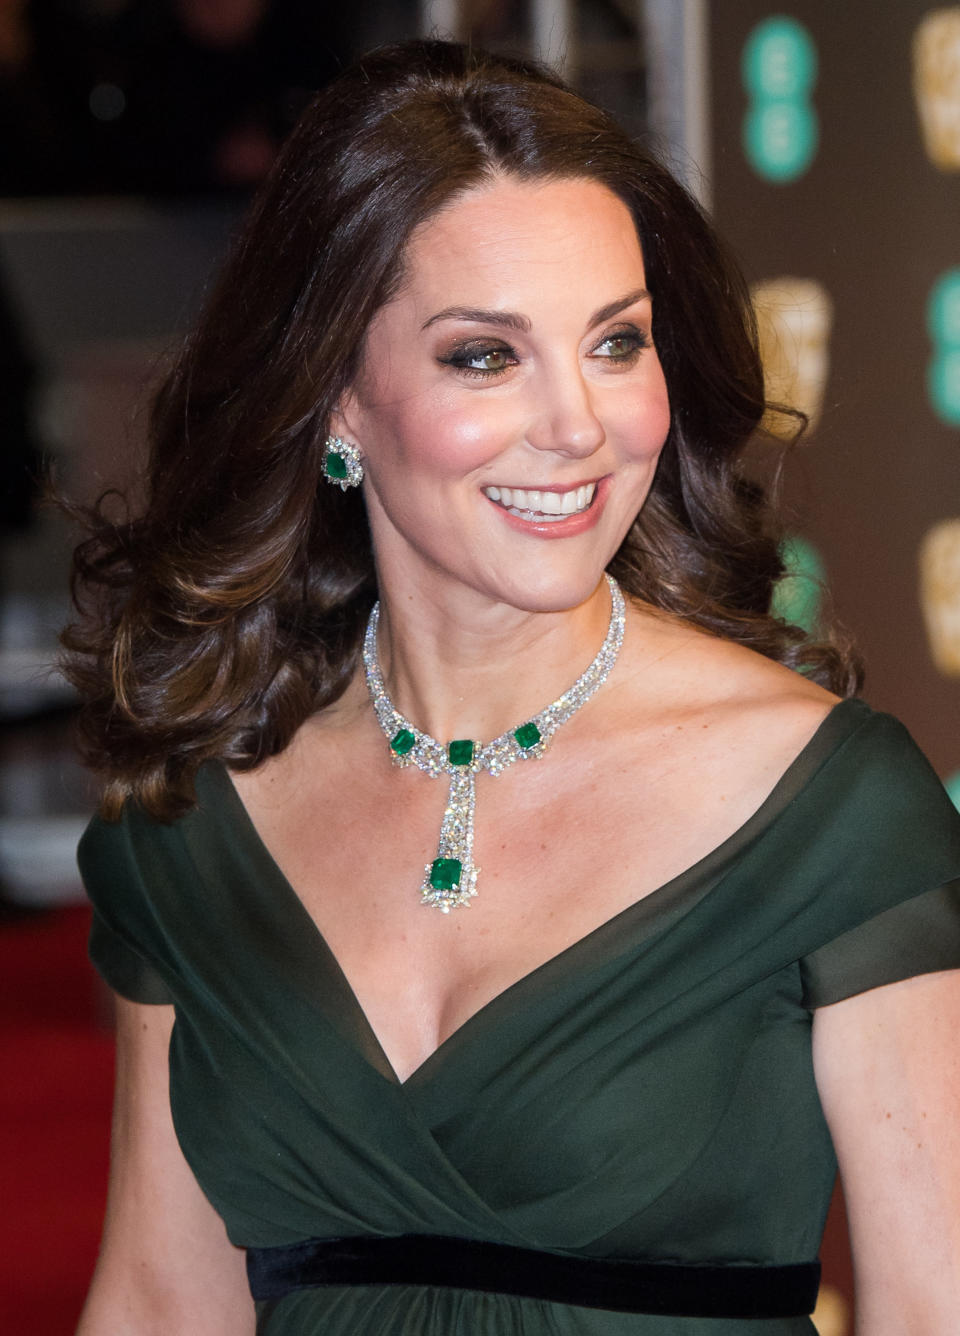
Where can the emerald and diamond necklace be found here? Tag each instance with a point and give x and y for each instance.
(451, 879)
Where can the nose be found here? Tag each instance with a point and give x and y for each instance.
(565, 420)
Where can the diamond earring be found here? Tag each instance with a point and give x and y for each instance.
(341, 463)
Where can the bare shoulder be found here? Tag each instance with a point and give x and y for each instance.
(756, 693)
(726, 698)
(271, 783)
(331, 733)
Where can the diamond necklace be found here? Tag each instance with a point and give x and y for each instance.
(451, 879)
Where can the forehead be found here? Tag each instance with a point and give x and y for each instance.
(509, 235)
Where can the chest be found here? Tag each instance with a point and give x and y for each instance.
(563, 845)
(645, 1095)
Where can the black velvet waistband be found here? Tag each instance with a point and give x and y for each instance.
(620, 1285)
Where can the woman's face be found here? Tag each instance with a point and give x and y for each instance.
(511, 406)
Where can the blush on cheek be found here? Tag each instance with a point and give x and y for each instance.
(646, 435)
(657, 426)
(476, 420)
(454, 444)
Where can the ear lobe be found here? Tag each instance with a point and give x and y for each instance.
(342, 418)
(337, 425)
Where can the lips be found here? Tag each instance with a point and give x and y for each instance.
(540, 505)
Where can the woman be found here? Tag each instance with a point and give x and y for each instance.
(473, 351)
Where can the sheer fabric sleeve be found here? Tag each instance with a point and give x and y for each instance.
(899, 914)
(919, 936)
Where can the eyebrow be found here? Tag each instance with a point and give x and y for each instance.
(614, 308)
(513, 320)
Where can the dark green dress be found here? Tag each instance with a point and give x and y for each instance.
(647, 1093)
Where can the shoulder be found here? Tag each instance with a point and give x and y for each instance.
(719, 698)
(137, 851)
(671, 656)
(720, 709)
(161, 891)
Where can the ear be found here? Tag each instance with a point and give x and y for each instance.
(344, 418)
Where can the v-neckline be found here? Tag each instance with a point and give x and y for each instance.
(677, 893)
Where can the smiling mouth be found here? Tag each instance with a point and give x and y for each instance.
(542, 507)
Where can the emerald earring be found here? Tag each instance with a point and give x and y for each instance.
(342, 464)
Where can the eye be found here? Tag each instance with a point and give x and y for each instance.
(624, 346)
(480, 359)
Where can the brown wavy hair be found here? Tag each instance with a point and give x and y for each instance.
(214, 622)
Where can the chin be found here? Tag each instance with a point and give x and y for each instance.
(552, 591)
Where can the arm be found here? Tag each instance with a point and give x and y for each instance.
(887, 1066)
(166, 1266)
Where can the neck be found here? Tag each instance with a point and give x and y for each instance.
(458, 676)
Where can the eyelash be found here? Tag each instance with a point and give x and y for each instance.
(475, 350)
(463, 354)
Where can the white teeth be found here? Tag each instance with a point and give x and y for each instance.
(536, 516)
(535, 503)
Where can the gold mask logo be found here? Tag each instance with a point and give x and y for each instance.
(940, 594)
(936, 85)
(794, 319)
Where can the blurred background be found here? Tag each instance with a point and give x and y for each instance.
(825, 140)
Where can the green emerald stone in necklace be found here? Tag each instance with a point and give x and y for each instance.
(460, 752)
(451, 879)
(403, 741)
(445, 874)
(528, 735)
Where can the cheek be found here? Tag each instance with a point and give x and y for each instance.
(477, 432)
(444, 438)
(659, 417)
(646, 422)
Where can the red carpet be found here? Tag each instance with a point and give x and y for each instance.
(56, 1056)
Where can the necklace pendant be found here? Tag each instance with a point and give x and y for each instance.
(451, 879)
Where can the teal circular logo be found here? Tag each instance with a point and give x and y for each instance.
(943, 383)
(797, 594)
(781, 139)
(779, 60)
(943, 310)
(779, 71)
(943, 324)
(953, 788)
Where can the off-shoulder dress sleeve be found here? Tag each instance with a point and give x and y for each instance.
(904, 840)
(113, 881)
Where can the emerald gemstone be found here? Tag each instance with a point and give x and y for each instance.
(403, 741)
(460, 752)
(527, 735)
(335, 465)
(445, 874)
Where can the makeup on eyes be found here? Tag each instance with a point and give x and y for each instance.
(465, 354)
(635, 340)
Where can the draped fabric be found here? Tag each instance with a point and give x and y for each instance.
(647, 1093)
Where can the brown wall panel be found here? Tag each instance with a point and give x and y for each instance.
(875, 222)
